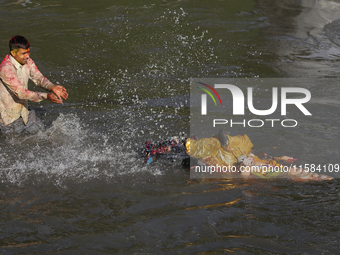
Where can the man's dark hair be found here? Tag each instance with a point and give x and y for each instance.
(18, 42)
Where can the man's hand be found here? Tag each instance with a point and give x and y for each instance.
(54, 99)
(60, 91)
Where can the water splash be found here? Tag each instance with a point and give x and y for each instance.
(67, 151)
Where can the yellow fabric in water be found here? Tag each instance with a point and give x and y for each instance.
(239, 145)
(211, 147)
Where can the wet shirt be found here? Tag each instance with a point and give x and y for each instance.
(14, 92)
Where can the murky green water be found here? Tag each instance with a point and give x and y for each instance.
(81, 187)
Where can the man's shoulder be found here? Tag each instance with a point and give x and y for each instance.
(6, 61)
(30, 65)
(5, 64)
(30, 62)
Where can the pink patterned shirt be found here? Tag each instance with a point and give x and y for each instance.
(14, 92)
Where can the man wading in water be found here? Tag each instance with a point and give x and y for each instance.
(15, 71)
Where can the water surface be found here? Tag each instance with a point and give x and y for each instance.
(81, 187)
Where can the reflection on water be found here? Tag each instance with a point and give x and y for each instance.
(251, 217)
(305, 37)
(81, 186)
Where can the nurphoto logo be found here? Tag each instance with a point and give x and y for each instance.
(239, 101)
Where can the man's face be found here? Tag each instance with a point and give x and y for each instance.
(21, 55)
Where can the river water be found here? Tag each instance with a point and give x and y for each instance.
(81, 187)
